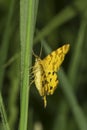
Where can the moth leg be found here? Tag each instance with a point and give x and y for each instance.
(31, 82)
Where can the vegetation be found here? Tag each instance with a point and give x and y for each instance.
(29, 25)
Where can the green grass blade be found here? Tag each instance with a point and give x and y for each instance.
(13, 110)
(3, 56)
(65, 15)
(61, 118)
(5, 41)
(76, 110)
(75, 60)
(27, 23)
(3, 114)
(12, 59)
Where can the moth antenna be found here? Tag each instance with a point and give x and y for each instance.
(34, 54)
(40, 51)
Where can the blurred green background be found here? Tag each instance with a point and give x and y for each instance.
(57, 23)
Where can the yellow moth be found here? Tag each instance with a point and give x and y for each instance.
(45, 71)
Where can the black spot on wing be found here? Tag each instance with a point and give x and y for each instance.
(51, 87)
(56, 79)
(44, 82)
(49, 73)
(53, 72)
(50, 79)
(44, 76)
